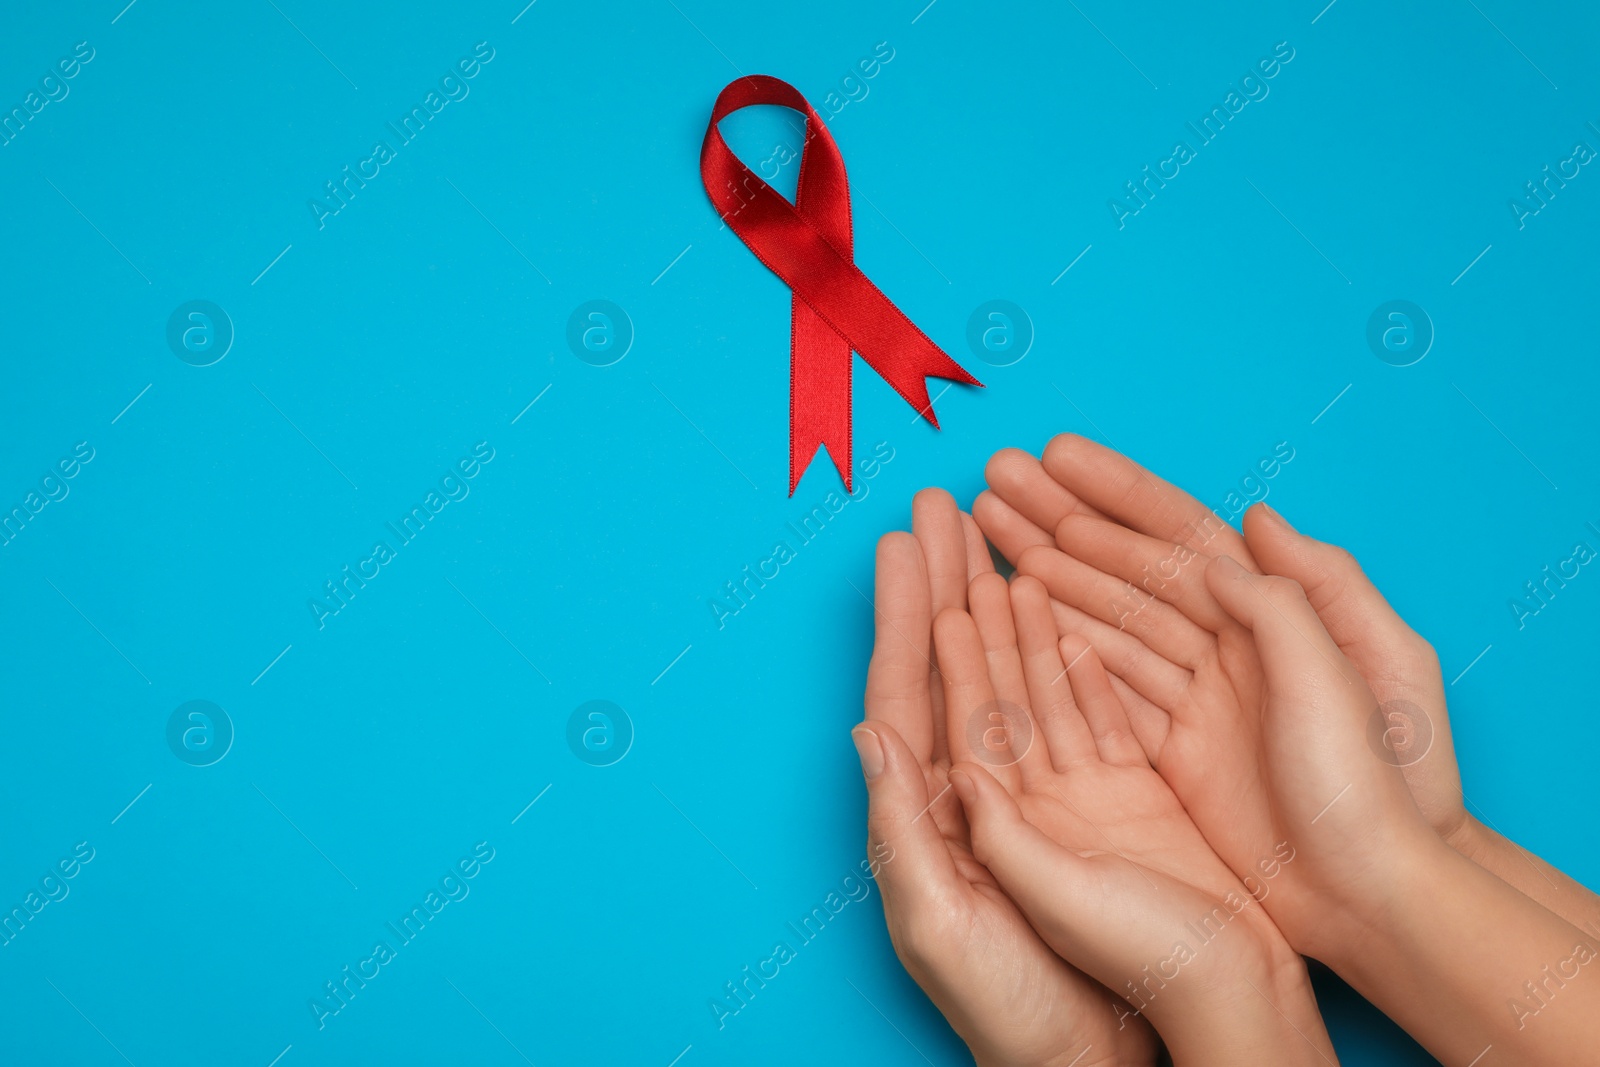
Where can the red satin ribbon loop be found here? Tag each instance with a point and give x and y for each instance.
(834, 308)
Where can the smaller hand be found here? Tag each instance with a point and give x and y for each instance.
(1091, 843)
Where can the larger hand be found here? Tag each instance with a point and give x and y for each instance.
(1392, 897)
(1373, 891)
(1028, 501)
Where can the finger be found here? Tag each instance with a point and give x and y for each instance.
(1097, 909)
(1102, 709)
(1356, 615)
(1173, 573)
(936, 521)
(978, 559)
(1021, 481)
(1150, 723)
(1297, 655)
(1164, 629)
(1397, 662)
(915, 868)
(898, 674)
(1064, 737)
(1009, 741)
(968, 695)
(1152, 689)
(1004, 841)
(1007, 527)
(1160, 681)
(1126, 492)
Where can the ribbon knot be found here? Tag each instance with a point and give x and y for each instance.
(834, 308)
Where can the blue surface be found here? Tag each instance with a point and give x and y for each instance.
(374, 353)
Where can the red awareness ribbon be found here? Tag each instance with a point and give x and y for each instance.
(834, 308)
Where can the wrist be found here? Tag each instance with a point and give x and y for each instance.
(1362, 931)
(1451, 951)
(1253, 1004)
(1337, 918)
(1269, 1018)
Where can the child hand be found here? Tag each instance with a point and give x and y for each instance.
(1091, 843)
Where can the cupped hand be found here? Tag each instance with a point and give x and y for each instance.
(1028, 498)
(1011, 998)
(1092, 844)
(1264, 736)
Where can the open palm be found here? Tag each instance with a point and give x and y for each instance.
(1254, 765)
(1029, 500)
(959, 935)
(1129, 874)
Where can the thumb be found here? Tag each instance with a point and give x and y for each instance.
(1297, 655)
(1397, 662)
(1099, 911)
(1355, 613)
(1041, 876)
(905, 848)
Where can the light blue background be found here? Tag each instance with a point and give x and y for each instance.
(414, 325)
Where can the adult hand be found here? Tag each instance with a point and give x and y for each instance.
(1011, 998)
(1390, 898)
(1029, 499)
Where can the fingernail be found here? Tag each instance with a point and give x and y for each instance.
(870, 749)
(1272, 512)
(965, 787)
(1229, 567)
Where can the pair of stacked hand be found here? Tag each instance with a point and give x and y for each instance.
(1115, 800)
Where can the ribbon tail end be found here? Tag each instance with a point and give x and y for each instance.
(958, 373)
(798, 467)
